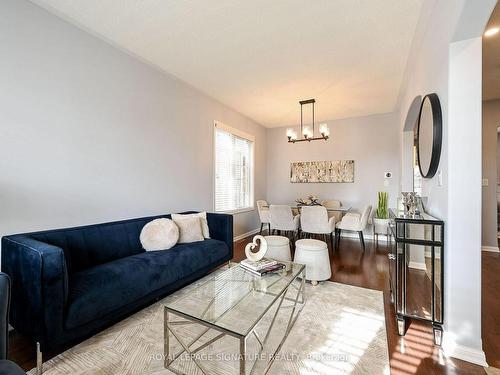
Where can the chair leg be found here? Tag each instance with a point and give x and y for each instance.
(331, 240)
(269, 228)
(261, 225)
(362, 239)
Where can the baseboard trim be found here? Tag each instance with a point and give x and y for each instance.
(245, 235)
(490, 249)
(465, 353)
(369, 237)
(417, 266)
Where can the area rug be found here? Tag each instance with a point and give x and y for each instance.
(341, 330)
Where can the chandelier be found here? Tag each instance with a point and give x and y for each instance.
(306, 131)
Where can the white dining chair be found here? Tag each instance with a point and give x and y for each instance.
(282, 219)
(263, 209)
(314, 220)
(333, 203)
(354, 222)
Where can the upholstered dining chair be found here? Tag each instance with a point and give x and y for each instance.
(332, 203)
(314, 220)
(282, 219)
(354, 222)
(263, 209)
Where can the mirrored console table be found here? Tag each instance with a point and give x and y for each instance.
(416, 269)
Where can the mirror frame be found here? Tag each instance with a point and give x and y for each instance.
(437, 134)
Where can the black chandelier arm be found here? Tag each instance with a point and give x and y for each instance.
(324, 137)
(313, 117)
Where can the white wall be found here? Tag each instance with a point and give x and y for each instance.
(453, 71)
(463, 294)
(491, 122)
(90, 134)
(372, 142)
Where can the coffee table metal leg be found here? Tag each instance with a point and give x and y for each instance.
(243, 348)
(166, 346)
(303, 287)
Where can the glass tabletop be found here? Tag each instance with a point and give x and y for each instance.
(235, 300)
(337, 209)
(401, 214)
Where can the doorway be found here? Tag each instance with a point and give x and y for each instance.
(490, 266)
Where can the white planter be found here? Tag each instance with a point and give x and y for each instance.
(380, 225)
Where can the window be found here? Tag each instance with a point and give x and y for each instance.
(233, 152)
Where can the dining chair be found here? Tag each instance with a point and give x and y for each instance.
(282, 219)
(314, 220)
(333, 203)
(354, 222)
(263, 209)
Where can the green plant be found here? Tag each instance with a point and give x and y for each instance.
(382, 212)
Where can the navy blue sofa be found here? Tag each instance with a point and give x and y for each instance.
(68, 284)
(6, 367)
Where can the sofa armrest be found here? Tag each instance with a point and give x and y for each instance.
(221, 228)
(39, 285)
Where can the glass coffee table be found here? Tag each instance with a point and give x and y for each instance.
(235, 303)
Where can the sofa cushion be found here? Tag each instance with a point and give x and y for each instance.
(89, 246)
(99, 290)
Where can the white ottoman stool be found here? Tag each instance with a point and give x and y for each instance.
(314, 254)
(278, 247)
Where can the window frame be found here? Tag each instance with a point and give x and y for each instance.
(251, 139)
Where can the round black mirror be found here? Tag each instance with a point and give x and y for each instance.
(429, 135)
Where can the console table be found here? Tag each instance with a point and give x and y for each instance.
(416, 259)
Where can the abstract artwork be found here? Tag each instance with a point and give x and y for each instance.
(322, 171)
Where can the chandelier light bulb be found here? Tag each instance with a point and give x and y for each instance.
(306, 132)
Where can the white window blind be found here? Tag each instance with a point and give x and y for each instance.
(233, 169)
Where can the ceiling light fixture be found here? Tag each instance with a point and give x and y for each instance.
(306, 131)
(491, 31)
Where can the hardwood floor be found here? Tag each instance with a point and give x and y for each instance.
(414, 353)
(491, 307)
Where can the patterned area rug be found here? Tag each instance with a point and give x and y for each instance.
(341, 330)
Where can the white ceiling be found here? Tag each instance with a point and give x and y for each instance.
(491, 59)
(261, 57)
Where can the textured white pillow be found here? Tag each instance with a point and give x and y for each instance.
(159, 234)
(189, 229)
(203, 218)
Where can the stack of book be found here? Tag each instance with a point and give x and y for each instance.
(261, 267)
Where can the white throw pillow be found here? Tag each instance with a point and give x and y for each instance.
(203, 218)
(159, 234)
(189, 229)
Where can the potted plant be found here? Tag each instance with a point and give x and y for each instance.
(381, 219)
